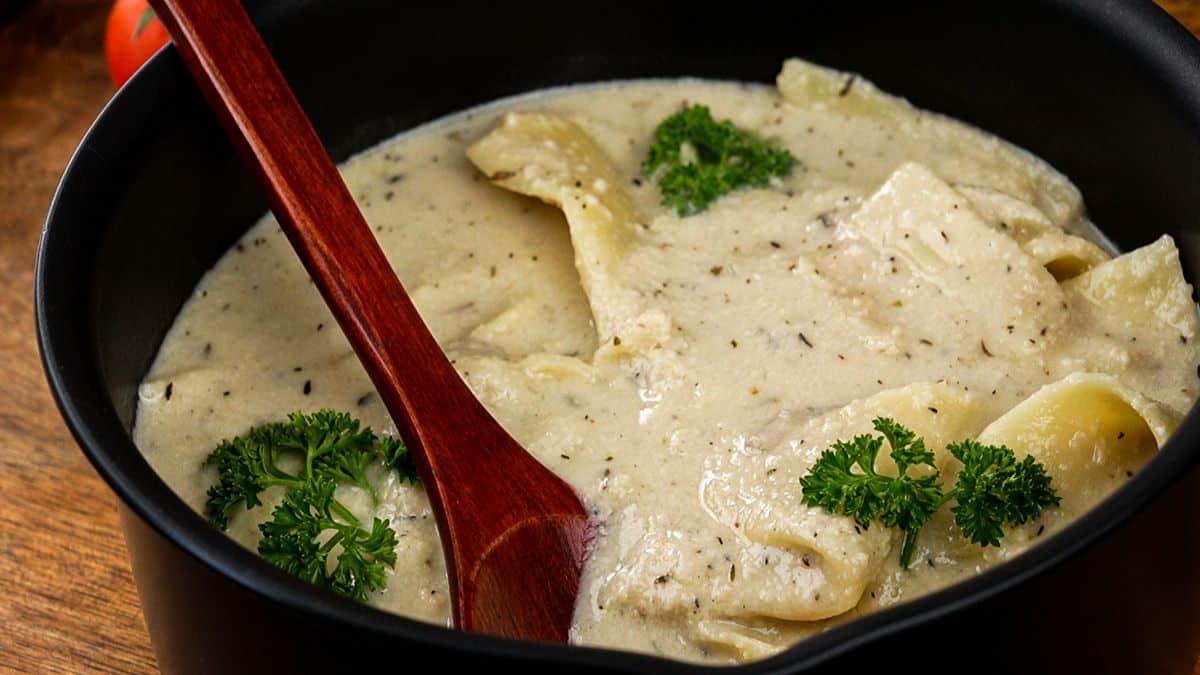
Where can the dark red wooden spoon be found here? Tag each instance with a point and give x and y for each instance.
(514, 534)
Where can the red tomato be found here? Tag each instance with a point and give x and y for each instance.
(132, 36)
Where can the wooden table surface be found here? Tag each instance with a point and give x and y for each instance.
(69, 603)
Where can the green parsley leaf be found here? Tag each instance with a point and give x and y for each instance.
(395, 456)
(246, 465)
(904, 501)
(293, 541)
(907, 448)
(697, 160)
(994, 489)
(335, 447)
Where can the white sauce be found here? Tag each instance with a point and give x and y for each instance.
(779, 308)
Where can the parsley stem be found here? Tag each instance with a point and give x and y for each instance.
(283, 480)
(370, 489)
(341, 511)
(339, 533)
(906, 550)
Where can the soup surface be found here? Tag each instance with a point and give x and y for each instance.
(683, 373)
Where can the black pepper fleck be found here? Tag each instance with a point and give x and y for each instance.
(848, 86)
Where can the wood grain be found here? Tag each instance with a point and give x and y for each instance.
(69, 602)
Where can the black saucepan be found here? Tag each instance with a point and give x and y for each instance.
(1109, 92)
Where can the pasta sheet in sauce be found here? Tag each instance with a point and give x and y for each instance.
(684, 373)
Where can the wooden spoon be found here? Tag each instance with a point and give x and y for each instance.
(515, 535)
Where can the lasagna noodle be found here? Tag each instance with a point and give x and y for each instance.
(751, 640)
(1144, 284)
(554, 159)
(964, 154)
(1090, 431)
(1087, 429)
(1063, 255)
(930, 227)
(1015, 217)
(1139, 309)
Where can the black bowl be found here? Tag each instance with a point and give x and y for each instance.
(1108, 92)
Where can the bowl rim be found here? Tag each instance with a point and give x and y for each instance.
(1170, 54)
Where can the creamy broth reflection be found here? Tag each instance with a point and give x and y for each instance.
(684, 373)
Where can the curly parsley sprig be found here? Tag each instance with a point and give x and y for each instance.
(993, 489)
(697, 160)
(292, 541)
(310, 527)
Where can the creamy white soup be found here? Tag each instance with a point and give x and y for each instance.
(684, 373)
